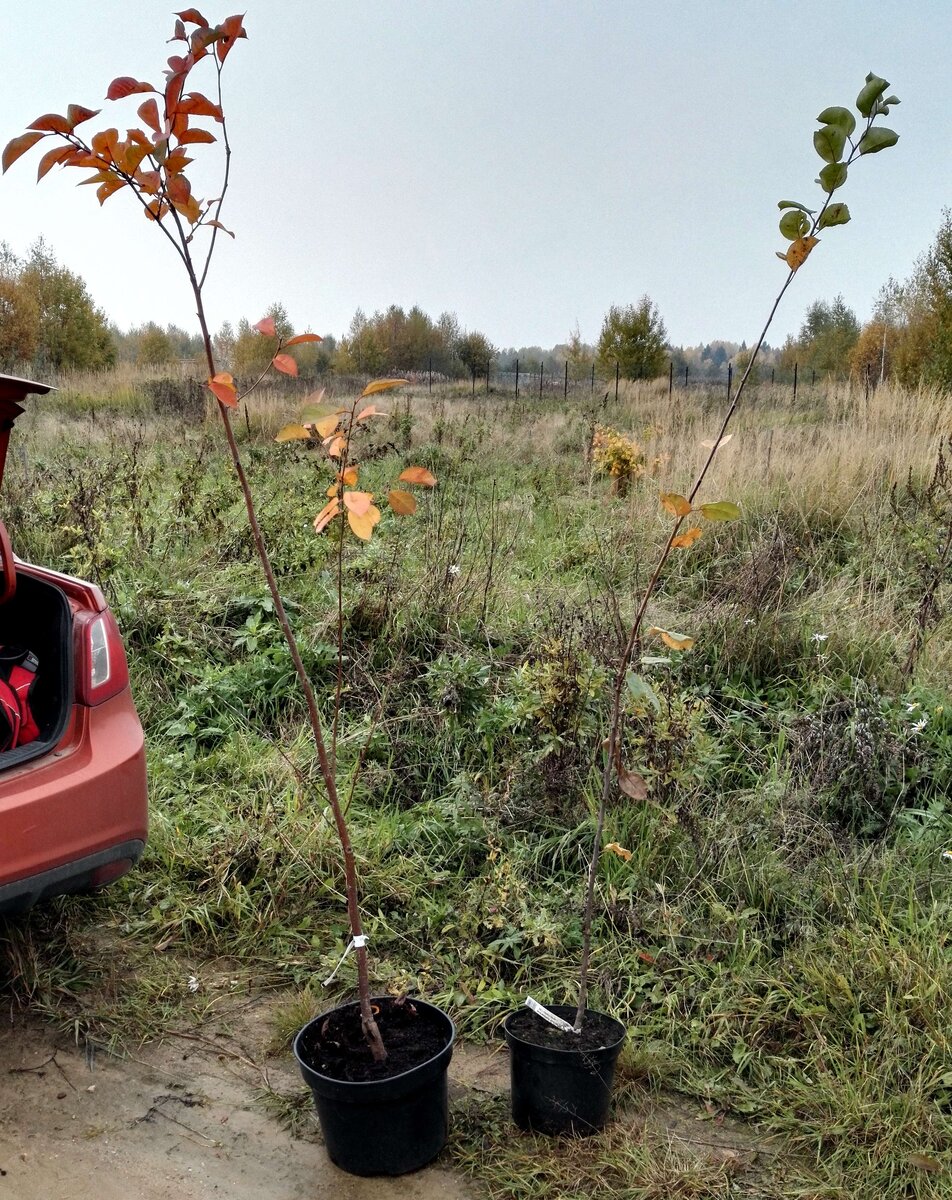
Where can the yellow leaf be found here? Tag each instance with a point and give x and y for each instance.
(686, 539)
(332, 490)
(799, 251)
(350, 476)
(675, 504)
(381, 385)
(325, 426)
(326, 515)
(418, 475)
(402, 503)
(358, 502)
(723, 510)
(292, 433)
(363, 524)
(677, 641)
(615, 848)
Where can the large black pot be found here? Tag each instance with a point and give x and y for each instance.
(562, 1090)
(385, 1126)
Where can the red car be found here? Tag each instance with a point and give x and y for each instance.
(73, 802)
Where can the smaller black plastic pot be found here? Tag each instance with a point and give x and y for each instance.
(568, 1090)
(384, 1126)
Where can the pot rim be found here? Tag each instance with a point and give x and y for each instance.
(569, 1050)
(389, 1079)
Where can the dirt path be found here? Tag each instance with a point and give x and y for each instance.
(179, 1120)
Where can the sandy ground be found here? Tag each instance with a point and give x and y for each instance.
(180, 1120)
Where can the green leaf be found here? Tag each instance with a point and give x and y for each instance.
(830, 142)
(795, 204)
(868, 98)
(794, 224)
(641, 689)
(892, 100)
(836, 214)
(841, 117)
(876, 139)
(832, 177)
(723, 510)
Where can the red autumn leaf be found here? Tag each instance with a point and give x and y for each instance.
(358, 502)
(200, 40)
(178, 188)
(179, 33)
(193, 17)
(284, 363)
(51, 123)
(266, 326)
(148, 112)
(223, 387)
(51, 158)
(402, 503)
(231, 30)
(76, 114)
(303, 337)
(18, 146)
(197, 105)
(124, 86)
(188, 136)
(176, 162)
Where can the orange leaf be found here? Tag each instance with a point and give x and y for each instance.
(231, 30)
(303, 337)
(686, 539)
(223, 387)
(193, 16)
(368, 412)
(358, 502)
(76, 114)
(149, 182)
(331, 491)
(675, 504)
(176, 162)
(799, 251)
(418, 475)
(381, 385)
(51, 123)
(197, 105)
(105, 143)
(51, 158)
(190, 209)
(402, 503)
(148, 112)
(266, 326)
(106, 189)
(615, 848)
(363, 524)
(18, 146)
(156, 210)
(189, 136)
(350, 476)
(336, 448)
(124, 86)
(284, 363)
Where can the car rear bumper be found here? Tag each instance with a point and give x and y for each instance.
(83, 875)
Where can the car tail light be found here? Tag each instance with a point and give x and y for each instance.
(101, 668)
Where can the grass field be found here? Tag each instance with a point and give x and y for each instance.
(778, 942)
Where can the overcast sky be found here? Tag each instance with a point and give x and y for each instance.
(524, 163)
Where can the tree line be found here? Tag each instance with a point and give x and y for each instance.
(48, 322)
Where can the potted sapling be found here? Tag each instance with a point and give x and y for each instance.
(563, 1057)
(387, 1111)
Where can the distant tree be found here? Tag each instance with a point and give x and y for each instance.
(475, 352)
(578, 355)
(19, 323)
(224, 342)
(635, 338)
(155, 346)
(253, 351)
(73, 332)
(826, 338)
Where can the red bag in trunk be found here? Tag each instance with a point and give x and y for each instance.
(18, 669)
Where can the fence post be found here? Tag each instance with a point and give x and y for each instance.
(593, 379)
(772, 369)
(488, 367)
(795, 366)
(730, 379)
(813, 380)
(517, 378)
(685, 374)
(565, 389)
(617, 371)
(540, 378)
(670, 378)
(867, 381)
(474, 379)
(430, 388)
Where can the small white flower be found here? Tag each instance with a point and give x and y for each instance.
(947, 853)
(749, 621)
(819, 637)
(193, 984)
(912, 707)
(919, 725)
(454, 568)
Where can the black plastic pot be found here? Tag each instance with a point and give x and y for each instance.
(384, 1126)
(562, 1090)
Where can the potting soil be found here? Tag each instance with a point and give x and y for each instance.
(336, 1047)
(597, 1031)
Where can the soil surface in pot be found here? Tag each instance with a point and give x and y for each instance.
(336, 1046)
(597, 1031)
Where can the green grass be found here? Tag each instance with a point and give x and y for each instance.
(777, 944)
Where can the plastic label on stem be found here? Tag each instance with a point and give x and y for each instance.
(541, 1011)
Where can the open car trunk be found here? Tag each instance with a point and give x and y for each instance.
(39, 618)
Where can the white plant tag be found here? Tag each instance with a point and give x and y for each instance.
(541, 1011)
